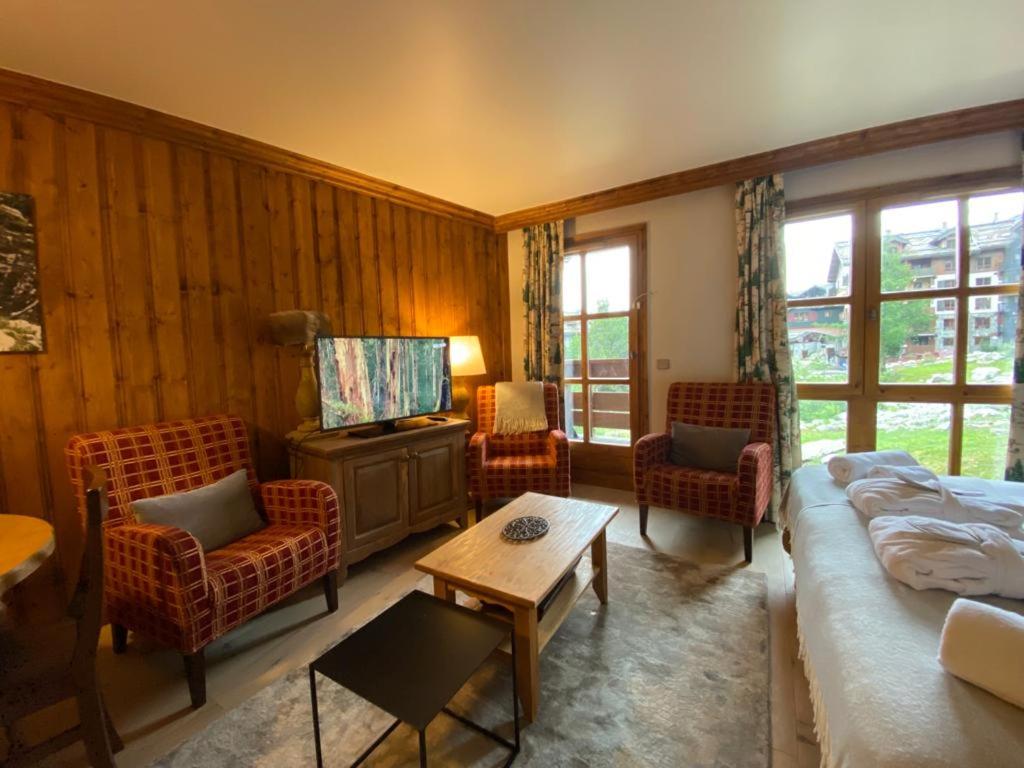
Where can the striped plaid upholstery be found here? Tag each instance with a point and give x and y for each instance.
(740, 497)
(501, 466)
(158, 580)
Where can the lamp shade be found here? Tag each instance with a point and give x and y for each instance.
(467, 357)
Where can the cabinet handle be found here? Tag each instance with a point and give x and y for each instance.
(414, 455)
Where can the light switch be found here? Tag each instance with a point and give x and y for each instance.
(663, 364)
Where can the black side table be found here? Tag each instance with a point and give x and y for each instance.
(410, 661)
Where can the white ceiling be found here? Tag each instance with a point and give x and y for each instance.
(503, 105)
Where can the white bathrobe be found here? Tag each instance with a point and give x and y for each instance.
(965, 558)
(896, 490)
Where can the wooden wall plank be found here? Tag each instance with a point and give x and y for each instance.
(367, 236)
(167, 284)
(236, 351)
(85, 244)
(307, 277)
(405, 285)
(328, 260)
(351, 320)
(258, 275)
(132, 297)
(386, 268)
(203, 328)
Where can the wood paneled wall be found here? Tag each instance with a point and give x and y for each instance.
(159, 263)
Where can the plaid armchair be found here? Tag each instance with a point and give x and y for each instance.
(501, 466)
(158, 580)
(738, 497)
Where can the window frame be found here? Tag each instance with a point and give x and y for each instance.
(863, 390)
(635, 238)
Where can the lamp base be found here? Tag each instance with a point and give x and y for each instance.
(460, 400)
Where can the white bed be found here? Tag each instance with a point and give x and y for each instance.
(869, 644)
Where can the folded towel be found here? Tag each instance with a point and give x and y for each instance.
(855, 466)
(519, 407)
(982, 645)
(966, 558)
(917, 491)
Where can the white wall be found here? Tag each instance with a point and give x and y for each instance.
(691, 253)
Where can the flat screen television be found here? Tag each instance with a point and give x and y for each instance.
(381, 379)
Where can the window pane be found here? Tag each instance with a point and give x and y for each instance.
(572, 349)
(572, 285)
(608, 348)
(822, 429)
(992, 325)
(922, 429)
(919, 249)
(574, 411)
(986, 431)
(608, 280)
(819, 342)
(609, 414)
(818, 257)
(918, 340)
(995, 222)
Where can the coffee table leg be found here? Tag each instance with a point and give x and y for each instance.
(443, 590)
(316, 718)
(599, 559)
(527, 661)
(423, 748)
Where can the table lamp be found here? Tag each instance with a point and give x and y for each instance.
(467, 360)
(296, 327)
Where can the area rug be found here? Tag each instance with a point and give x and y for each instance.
(674, 671)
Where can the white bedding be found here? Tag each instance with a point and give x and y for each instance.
(869, 645)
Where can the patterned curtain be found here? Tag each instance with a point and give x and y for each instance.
(542, 297)
(1015, 449)
(762, 343)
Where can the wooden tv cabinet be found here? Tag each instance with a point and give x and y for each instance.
(390, 485)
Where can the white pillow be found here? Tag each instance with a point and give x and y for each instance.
(216, 514)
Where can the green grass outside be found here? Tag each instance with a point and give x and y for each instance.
(986, 429)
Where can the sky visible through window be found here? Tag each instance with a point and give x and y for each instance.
(809, 243)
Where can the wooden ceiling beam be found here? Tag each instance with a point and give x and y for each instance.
(1006, 115)
(58, 99)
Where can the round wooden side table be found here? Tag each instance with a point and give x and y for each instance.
(25, 544)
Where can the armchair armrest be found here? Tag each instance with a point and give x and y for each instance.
(305, 502)
(649, 451)
(158, 567)
(755, 476)
(558, 445)
(476, 455)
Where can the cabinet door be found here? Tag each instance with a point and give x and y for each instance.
(435, 469)
(376, 497)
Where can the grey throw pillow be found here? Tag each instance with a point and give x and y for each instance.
(716, 448)
(216, 514)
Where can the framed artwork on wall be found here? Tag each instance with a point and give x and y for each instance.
(21, 311)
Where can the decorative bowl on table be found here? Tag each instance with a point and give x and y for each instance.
(525, 528)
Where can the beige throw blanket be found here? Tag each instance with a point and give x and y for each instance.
(519, 408)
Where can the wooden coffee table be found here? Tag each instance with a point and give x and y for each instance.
(519, 575)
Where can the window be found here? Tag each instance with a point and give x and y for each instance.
(902, 316)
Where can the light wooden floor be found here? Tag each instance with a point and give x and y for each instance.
(148, 698)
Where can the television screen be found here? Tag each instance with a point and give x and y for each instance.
(366, 379)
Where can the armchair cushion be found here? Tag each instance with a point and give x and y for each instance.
(251, 574)
(716, 448)
(215, 514)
